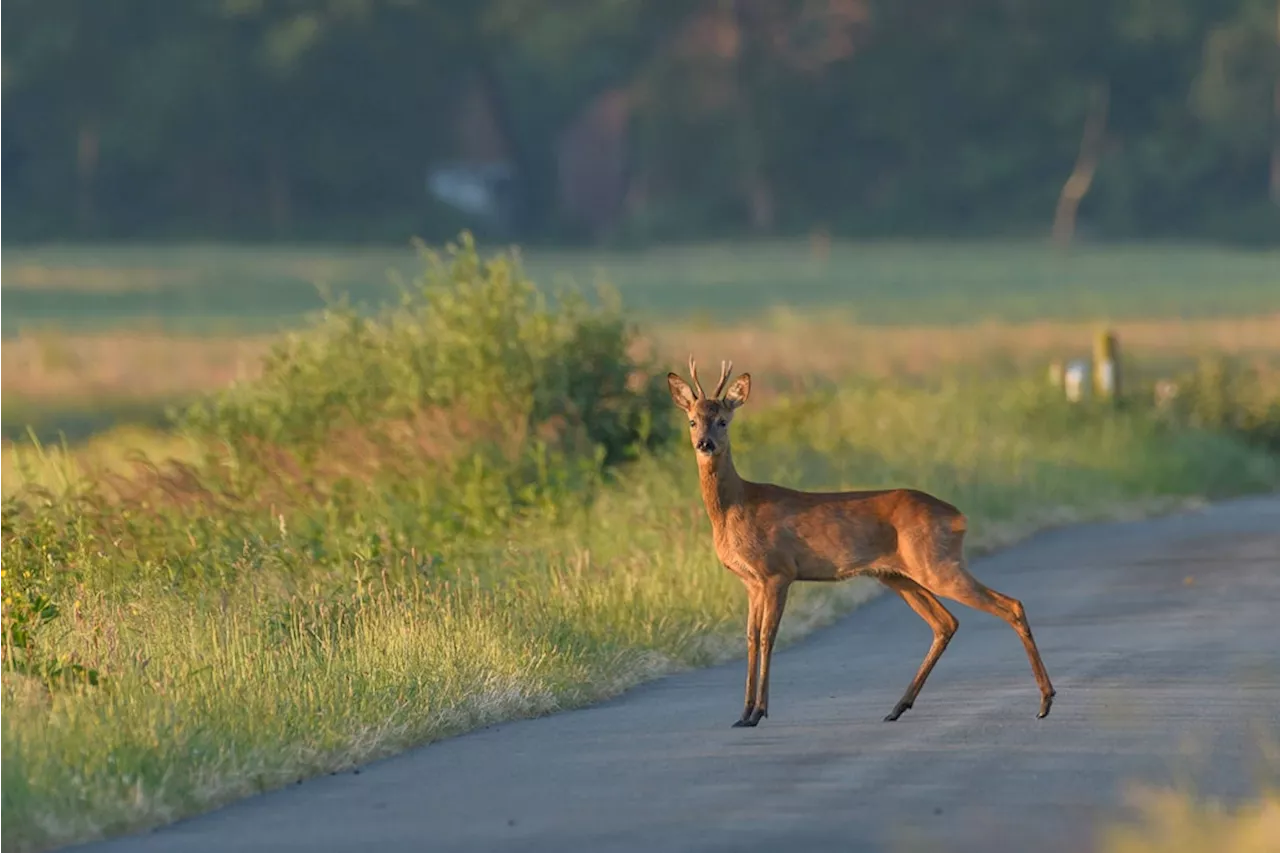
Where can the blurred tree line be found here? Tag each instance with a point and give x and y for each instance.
(567, 120)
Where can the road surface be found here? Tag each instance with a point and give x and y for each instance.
(1162, 638)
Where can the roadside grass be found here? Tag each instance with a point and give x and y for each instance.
(1172, 821)
(298, 663)
(476, 508)
(1181, 818)
(62, 467)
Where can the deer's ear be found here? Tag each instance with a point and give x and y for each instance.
(739, 390)
(681, 393)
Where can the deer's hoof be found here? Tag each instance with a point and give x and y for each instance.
(1045, 704)
(897, 711)
(745, 723)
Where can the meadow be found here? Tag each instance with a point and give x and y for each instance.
(97, 335)
(380, 526)
(220, 289)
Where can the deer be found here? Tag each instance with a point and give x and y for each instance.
(771, 537)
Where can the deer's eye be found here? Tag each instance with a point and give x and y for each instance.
(721, 423)
(693, 423)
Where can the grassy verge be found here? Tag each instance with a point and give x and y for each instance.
(472, 510)
(1171, 821)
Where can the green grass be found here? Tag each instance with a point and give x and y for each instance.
(299, 662)
(225, 289)
(473, 509)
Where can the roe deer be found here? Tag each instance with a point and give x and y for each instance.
(770, 537)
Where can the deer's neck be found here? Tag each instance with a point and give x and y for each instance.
(722, 488)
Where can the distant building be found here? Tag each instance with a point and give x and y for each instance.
(480, 183)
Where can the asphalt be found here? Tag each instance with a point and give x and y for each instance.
(1162, 638)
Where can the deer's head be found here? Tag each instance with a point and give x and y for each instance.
(709, 415)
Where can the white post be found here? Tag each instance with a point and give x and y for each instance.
(1076, 380)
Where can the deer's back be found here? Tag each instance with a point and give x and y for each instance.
(836, 535)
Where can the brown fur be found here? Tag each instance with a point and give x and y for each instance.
(771, 536)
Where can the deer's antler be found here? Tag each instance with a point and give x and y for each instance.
(725, 367)
(693, 372)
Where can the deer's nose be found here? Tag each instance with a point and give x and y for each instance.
(705, 445)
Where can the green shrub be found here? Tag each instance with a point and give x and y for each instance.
(473, 343)
(1223, 395)
(476, 396)
(26, 615)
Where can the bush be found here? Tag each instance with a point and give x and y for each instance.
(473, 342)
(477, 391)
(1222, 395)
(438, 421)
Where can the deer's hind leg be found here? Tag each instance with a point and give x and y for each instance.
(944, 626)
(952, 580)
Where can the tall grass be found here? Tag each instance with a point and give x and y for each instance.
(1172, 821)
(469, 509)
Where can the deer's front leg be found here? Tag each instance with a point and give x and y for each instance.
(772, 603)
(753, 654)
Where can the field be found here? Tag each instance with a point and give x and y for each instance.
(219, 289)
(481, 505)
(97, 335)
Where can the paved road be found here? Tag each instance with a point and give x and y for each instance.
(1157, 635)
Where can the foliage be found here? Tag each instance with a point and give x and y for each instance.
(133, 119)
(27, 614)
(476, 342)
(496, 397)
(1224, 395)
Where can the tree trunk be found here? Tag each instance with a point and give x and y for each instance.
(529, 185)
(760, 203)
(756, 189)
(1275, 122)
(86, 169)
(1077, 185)
(215, 186)
(279, 195)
